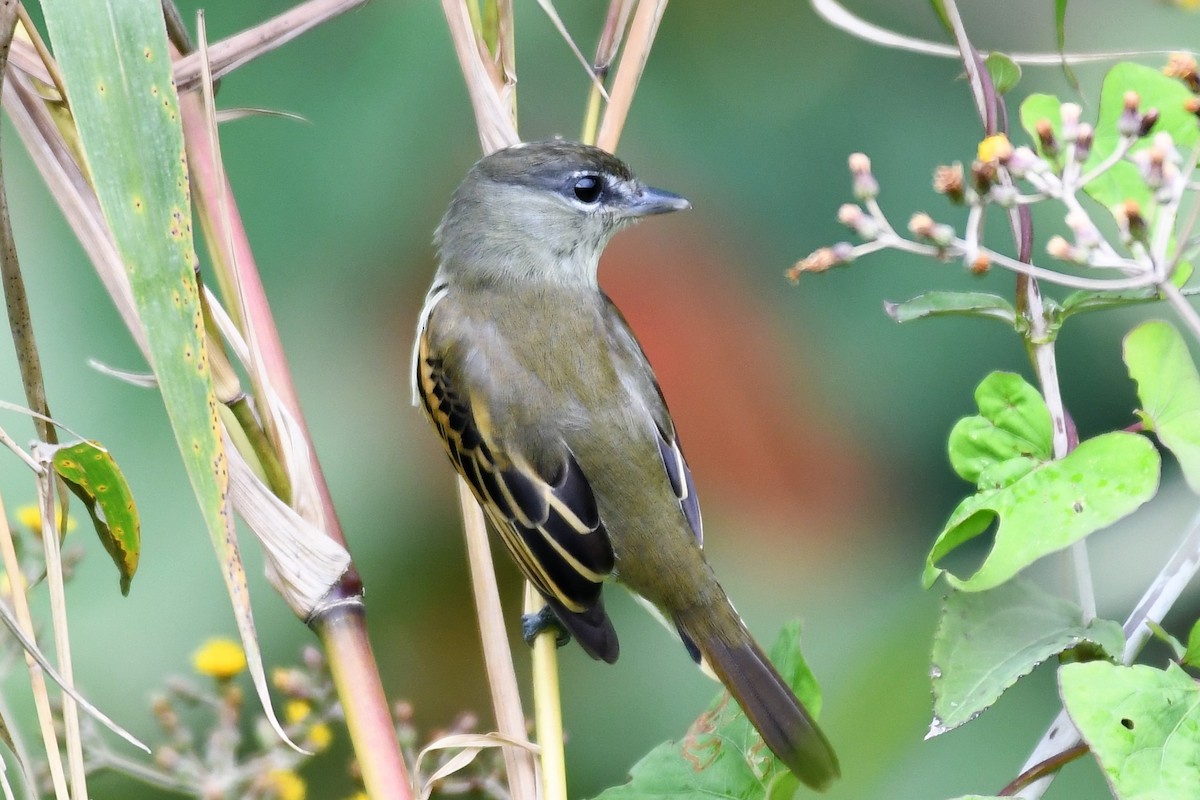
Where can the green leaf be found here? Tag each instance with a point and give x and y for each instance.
(1191, 656)
(1169, 390)
(1156, 91)
(1053, 506)
(987, 641)
(1037, 107)
(722, 756)
(946, 304)
(1005, 72)
(116, 65)
(1009, 437)
(98, 482)
(1141, 723)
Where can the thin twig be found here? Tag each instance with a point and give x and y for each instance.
(839, 17)
(1043, 769)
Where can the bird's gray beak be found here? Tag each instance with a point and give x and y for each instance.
(648, 201)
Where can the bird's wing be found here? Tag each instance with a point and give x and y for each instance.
(541, 505)
(637, 367)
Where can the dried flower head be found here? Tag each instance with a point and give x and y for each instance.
(822, 259)
(1183, 67)
(983, 175)
(948, 180)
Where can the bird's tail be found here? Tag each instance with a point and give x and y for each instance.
(721, 638)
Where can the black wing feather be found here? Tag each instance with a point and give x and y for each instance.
(550, 523)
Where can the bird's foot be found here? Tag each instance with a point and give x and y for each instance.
(544, 621)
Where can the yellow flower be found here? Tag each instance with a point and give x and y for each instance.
(30, 516)
(286, 785)
(220, 659)
(995, 148)
(319, 737)
(296, 711)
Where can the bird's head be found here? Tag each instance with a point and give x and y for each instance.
(543, 210)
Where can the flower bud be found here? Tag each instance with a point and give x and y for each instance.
(921, 225)
(1130, 121)
(1004, 195)
(1070, 121)
(1045, 134)
(1024, 161)
(1084, 138)
(980, 264)
(1060, 248)
(1148, 121)
(942, 235)
(1130, 221)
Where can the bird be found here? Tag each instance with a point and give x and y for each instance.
(549, 409)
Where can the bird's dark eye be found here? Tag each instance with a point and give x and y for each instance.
(588, 189)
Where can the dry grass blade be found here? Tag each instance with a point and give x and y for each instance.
(502, 678)
(612, 34)
(633, 62)
(70, 189)
(302, 562)
(62, 638)
(470, 745)
(228, 54)
(493, 111)
(552, 13)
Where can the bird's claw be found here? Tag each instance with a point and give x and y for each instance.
(544, 621)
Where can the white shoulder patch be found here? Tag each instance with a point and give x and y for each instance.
(437, 292)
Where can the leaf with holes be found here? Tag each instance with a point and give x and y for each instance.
(94, 477)
(987, 641)
(1142, 724)
(1050, 508)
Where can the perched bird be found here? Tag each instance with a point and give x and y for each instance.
(549, 409)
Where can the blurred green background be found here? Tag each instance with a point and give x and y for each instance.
(815, 426)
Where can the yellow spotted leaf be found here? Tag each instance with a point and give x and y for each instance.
(94, 477)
